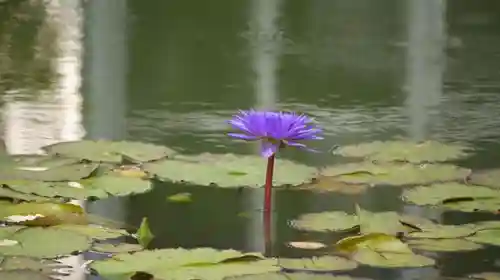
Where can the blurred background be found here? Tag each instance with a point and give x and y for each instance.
(171, 72)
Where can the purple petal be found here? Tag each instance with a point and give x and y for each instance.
(242, 136)
(268, 149)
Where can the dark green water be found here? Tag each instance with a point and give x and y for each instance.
(172, 73)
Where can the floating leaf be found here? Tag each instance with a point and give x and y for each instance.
(45, 243)
(93, 231)
(395, 174)
(486, 225)
(59, 173)
(41, 161)
(455, 196)
(331, 184)
(44, 213)
(9, 193)
(382, 222)
(381, 250)
(117, 248)
(308, 245)
(41, 267)
(107, 151)
(407, 151)
(485, 276)
(295, 276)
(144, 234)
(170, 264)
(53, 190)
(444, 245)
(488, 178)
(213, 169)
(24, 275)
(318, 264)
(325, 221)
(117, 185)
(488, 236)
(184, 197)
(443, 231)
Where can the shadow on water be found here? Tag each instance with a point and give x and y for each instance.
(167, 73)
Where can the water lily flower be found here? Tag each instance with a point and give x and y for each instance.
(274, 129)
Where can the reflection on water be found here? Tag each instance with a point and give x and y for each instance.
(164, 72)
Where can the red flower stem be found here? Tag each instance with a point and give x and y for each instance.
(269, 184)
(267, 204)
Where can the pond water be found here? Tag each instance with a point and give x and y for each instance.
(173, 72)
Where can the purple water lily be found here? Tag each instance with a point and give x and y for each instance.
(274, 129)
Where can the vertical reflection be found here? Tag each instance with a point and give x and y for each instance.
(424, 78)
(104, 81)
(265, 46)
(55, 115)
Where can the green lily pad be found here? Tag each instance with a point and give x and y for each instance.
(22, 266)
(455, 196)
(59, 173)
(200, 263)
(381, 222)
(443, 231)
(331, 184)
(54, 190)
(485, 276)
(295, 276)
(486, 225)
(43, 213)
(41, 161)
(444, 245)
(24, 275)
(488, 178)
(218, 170)
(367, 222)
(144, 235)
(45, 243)
(381, 250)
(406, 151)
(107, 151)
(318, 264)
(117, 248)
(488, 236)
(6, 192)
(325, 221)
(93, 231)
(395, 174)
(116, 185)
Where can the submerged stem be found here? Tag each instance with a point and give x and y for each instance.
(267, 204)
(269, 183)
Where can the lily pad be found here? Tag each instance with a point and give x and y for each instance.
(117, 248)
(406, 151)
(45, 213)
(93, 231)
(59, 173)
(444, 245)
(381, 250)
(54, 190)
(395, 174)
(6, 192)
(23, 265)
(443, 231)
(45, 243)
(485, 276)
(488, 178)
(200, 263)
(218, 170)
(295, 276)
(331, 184)
(318, 264)
(381, 222)
(489, 236)
(455, 196)
(325, 221)
(24, 275)
(107, 151)
(116, 185)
